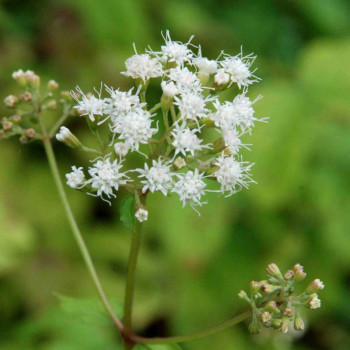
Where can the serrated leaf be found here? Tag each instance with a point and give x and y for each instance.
(86, 310)
(127, 212)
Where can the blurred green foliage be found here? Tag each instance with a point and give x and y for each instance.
(191, 268)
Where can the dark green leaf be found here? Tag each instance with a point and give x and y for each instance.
(127, 212)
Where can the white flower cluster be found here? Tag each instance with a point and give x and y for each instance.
(178, 158)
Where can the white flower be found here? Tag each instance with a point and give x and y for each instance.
(174, 51)
(232, 175)
(179, 163)
(221, 78)
(75, 179)
(89, 105)
(158, 177)
(169, 89)
(237, 113)
(232, 140)
(121, 149)
(134, 128)
(121, 102)
(190, 187)
(204, 65)
(314, 302)
(186, 140)
(238, 69)
(106, 177)
(63, 134)
(141, 214)
(143, 67)
(192, 105)
(184, 79)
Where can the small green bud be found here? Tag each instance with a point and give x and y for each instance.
(266, 317)
(269, 288)
(255, 287)
(254, 327)
(277, 323)
(298, 323)
(179, 163)
(272, 307)
(289, 312)
(285, 324)
(273, 270)
(27, 96)
(30, 133)
(23, 140)
(243, 295)
(315, 286)
(289, 275)
(68, 138)
(10, 101)
(34, 81)
(16, 118)
(52, 85)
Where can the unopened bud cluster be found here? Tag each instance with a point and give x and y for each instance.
(274, 303)
(25, 106)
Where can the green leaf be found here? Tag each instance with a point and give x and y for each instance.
(157, 347)
(127, 212)
(86, 310)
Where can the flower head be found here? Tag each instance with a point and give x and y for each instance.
(143, 67)
(75, 179)
(134, 128)
(89, 105)
(232, 175)
(186, 140)
(106, 176)
(158, 177)
(190, 187)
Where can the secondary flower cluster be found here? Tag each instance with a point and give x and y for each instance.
(273, 303)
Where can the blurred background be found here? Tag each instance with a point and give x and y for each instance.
(191, 268)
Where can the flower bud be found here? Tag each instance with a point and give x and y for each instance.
(219, 145)
(34, 81)
(68, 138)
(221, 78)
(179, 163)
(314, 302)
(27, 96)
(289, 312)
(6, 124)
(243, 295)
(265, 317)
(255, 287)
(269, 288)
(298, 323)
(271, 306)
(273, 270)
(20, 77)
(10, 101)
(52, 85)
(141, 213)
(314, 286)
(16, 118)
(285, 324)
(277, 323)
(121, 149)
(51, 104)
(2, 134)
(30, 133)
(23, 140)
(289, 275)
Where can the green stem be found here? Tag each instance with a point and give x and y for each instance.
(59, 122)
(75, 229)
(155, 108)
(193, 336)
(130, 280)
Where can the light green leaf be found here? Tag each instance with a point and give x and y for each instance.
(86, 310)
(127, 212)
